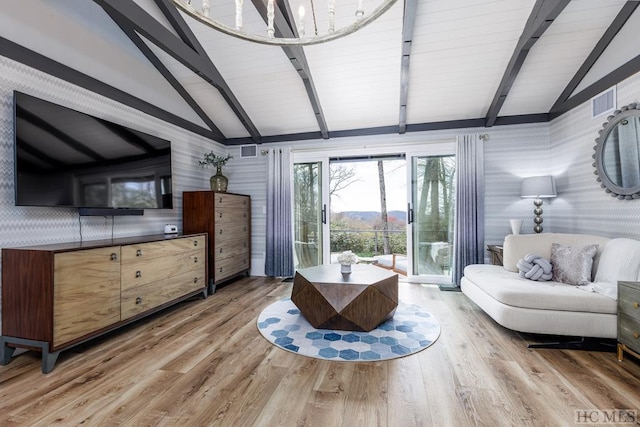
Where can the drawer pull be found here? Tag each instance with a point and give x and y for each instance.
(195, 259)
(220, 269)
(220, 215)
(138, 301)
(138, 274)
(114, 257)
(220, 232)
(220, 200)
(138, 252)
(195, 280)
(220, 250)
(195, 243)
(635, 304)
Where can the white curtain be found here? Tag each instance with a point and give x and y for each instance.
(279, 248)
(469, 222)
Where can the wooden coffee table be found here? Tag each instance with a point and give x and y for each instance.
(359, 301)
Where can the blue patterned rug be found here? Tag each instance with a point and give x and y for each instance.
(411, 329)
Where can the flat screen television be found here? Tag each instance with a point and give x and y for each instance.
(71, 159)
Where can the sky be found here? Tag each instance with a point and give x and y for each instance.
(364, 194)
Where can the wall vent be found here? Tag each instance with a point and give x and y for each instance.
(248, 151)
(603, 103)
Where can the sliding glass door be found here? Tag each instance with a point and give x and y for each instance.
(432, 217)
(309, 213)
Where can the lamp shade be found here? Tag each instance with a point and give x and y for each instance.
(538, 187)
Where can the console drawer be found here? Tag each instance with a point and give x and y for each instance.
(158, 269)
(150, 295)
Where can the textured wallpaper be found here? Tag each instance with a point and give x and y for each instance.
(582, 206)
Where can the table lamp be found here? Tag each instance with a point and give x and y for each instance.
(538, 187)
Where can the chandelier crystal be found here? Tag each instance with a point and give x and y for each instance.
(204, 12)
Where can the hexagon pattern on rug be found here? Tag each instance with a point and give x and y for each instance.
(411, 329)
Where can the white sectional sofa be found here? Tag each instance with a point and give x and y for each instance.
(549, 307)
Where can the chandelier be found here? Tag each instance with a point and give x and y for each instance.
(206, 11)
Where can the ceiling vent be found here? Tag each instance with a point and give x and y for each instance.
(603, 103)
(248, 151)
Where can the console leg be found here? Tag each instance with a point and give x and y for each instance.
(5, 352)
(48, 360)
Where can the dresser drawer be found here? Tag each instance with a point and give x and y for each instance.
(232, 248)
(223, 215)
(150, 295)
(157, 269)
(231, 201)
(225, 232)
(230, 266)
(629, 300)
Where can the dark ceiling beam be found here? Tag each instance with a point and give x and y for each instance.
(454, 125)
(616, 76)
(284, 27)
(46, 65)
(616, 25)
(179, 25)
(408, 25)
(128, 13)
(156, 62)
(542, 16)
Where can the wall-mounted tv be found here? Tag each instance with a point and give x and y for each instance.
(71, 159)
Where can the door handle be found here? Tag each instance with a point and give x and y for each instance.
(324, 214)
(409, 214)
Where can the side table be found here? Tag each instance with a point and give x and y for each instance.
(496, 254)
(628, 319)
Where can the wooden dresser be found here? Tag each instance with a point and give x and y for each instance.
(628, 319)
(226, 217)
(57, 296)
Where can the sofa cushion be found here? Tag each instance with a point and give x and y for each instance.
(516, 246)
(572, 264)
(620, 260)
(508, 288)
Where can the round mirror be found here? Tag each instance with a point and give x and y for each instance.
(617, 156)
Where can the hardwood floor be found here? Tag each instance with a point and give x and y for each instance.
(204, 362)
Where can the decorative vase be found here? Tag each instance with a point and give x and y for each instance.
(219, 182)
(515, 225)
(345, 268)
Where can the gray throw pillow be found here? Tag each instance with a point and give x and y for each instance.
(572, 264)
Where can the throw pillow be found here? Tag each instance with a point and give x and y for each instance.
(534, 267)
(572, 264)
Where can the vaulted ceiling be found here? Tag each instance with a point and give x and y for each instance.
(425, 64)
